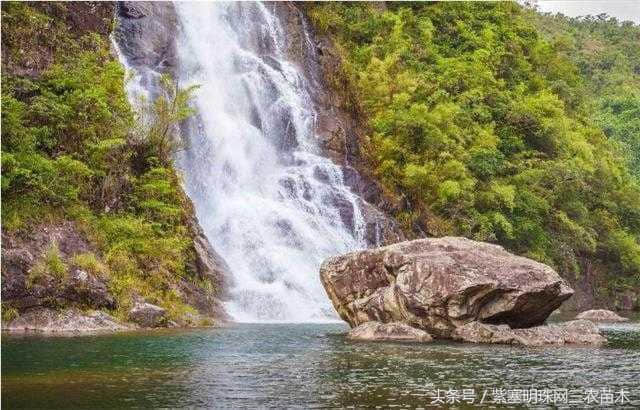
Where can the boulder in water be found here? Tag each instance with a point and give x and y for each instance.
(579, 332)
(601, 315)
(395, 331)
(441, 284)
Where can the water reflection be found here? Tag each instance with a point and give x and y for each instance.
(291, 365)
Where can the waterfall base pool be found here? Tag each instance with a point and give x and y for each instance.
(310, 365)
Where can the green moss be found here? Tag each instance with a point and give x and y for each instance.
(89, 262)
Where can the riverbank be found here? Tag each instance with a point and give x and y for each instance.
(74, 322)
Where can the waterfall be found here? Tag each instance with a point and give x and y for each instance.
(267, 199)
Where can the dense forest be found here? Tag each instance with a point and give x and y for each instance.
(74, 150)
(491, 121)
(606, 53)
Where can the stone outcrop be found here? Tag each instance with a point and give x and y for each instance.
(34, 299)
(21, 252)
(395, 331)
(145, 33)
(578, 332)
(601, 315)
(439, 284)
(147, 315)
(83, 287)
(64, 321)
(453, 288)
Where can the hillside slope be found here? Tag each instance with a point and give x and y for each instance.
(480, 127)
(93, 214)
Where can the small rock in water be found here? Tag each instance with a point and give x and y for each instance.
(147, 315)
(578, 332)
(397, 331)
(601, 315)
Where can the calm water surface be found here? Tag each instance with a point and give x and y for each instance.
(309, 365)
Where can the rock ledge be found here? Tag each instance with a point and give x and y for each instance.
(396, 331)
(578, 332)
(66, 321)
(601, 315)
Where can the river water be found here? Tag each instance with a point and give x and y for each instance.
(301, 365)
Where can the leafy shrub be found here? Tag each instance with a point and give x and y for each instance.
(8, 313)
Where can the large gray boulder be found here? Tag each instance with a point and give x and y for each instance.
(441, 284)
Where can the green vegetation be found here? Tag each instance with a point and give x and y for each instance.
(607, 55)
(72, 149)
(90, 263)
(51, 264)
(8, 313)
(484, 129)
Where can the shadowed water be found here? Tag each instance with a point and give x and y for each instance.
(284, 365)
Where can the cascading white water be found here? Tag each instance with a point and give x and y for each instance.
(263, 195)
(270, 204)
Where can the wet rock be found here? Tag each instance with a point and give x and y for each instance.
(601, 315)
(345, 209)
(579, 332)
(379, 228)
(132, 10)
(395, 331)
(279, 125)
(147, 315)
(440, 284)
(209, 264)
(69, 320)
(146, 32)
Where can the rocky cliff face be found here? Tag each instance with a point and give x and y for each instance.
(24, 289)
(145, 33)
(338, 125)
